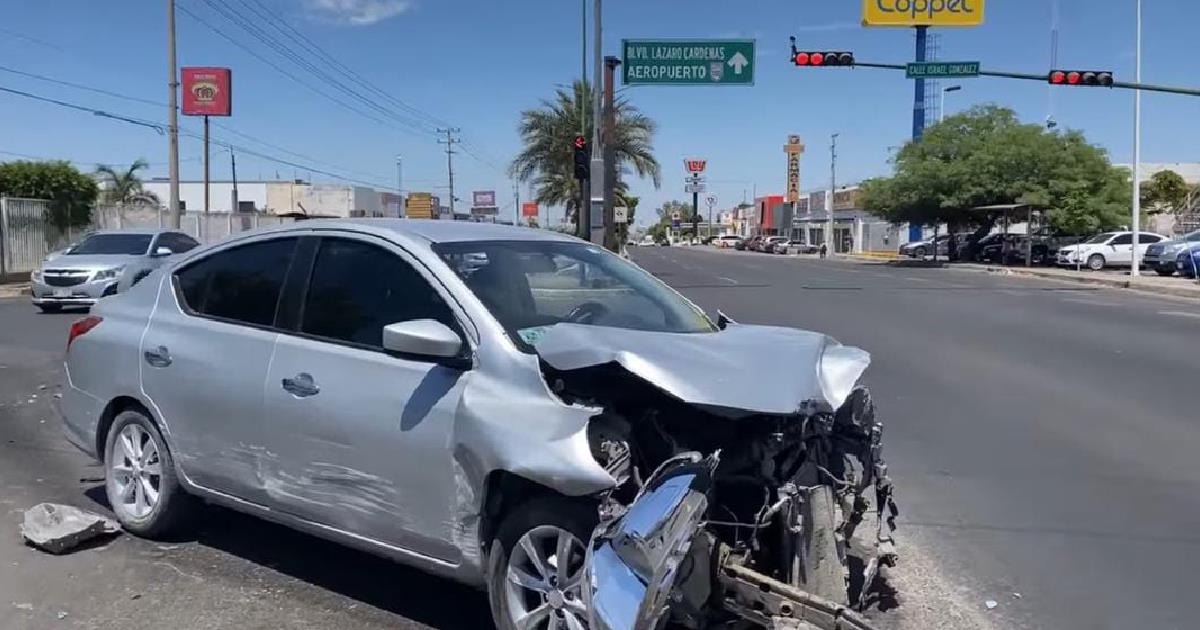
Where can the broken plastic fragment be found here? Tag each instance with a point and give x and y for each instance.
(991, 603)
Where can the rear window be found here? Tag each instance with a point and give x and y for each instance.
(240, 284)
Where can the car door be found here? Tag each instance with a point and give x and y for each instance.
(362, 436)
(205, 354)
(1145, 240)
(1120, 249)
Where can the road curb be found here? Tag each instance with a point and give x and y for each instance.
(1184, 290)
(14, 290)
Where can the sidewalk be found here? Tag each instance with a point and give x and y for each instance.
(1152, 283)
(17, 289)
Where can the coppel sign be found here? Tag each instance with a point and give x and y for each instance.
(922, 12)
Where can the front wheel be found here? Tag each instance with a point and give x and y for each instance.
(535, 567)
(1095, 262)
(919, 253)
(1164, 272)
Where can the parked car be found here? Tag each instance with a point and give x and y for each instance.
(749, 244)
(921, 249)
(726, 241)
(1187, 262)
(1110, 249)
(102, 264)
(443, 394)
(1161, 256)
(767, 245)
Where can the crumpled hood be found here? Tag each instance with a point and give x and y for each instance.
(744, 368)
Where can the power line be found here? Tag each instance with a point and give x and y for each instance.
(159, 127)
(112, 163)
(41, 77)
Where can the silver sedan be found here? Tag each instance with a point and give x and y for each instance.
(470, 399)
(102, 264)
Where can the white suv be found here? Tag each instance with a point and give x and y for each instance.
(1110, 249)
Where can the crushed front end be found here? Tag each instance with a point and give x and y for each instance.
(728, 511)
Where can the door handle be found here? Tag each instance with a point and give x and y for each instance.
(158, 357)
(301, 385)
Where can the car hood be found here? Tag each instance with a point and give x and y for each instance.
(742, 369)
(89, 261)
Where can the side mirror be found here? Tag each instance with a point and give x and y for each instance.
(161, 252)
(422, 337)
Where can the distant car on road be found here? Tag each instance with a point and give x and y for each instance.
(748, 244)
(102, 264)
(1110, 249)
(767, 245)
(1161, 256)
(921, 249)
(1187, 262)
(726, 241)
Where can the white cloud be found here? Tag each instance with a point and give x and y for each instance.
(358, 12)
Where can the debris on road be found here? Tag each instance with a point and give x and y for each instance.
(991, 603)
(62, 614)
(1016, 596)
(23, 606)
(59, 528)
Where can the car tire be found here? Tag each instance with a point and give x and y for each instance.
(50, 308)
(150, 502)
(919, 253)
(1164, 272)
(533, 529)
(1095, 262)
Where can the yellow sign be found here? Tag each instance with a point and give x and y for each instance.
(922, 12)
(793, 148)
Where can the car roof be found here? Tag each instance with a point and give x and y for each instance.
(134, 231)
(432, 231)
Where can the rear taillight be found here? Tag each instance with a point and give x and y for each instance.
(81, 327)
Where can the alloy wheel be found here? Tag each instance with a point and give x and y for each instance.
(544, 581)
(135, 470)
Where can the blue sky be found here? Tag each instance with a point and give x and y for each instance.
(476, 64)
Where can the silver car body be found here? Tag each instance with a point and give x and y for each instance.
(396, 455)
(66, 280)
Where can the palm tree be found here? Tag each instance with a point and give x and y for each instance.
(125, 186)
(549, 130)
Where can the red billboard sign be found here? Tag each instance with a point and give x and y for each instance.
(695, 165)
(206, 91)
(529, 209)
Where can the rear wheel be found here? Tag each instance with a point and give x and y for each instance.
(535, 567)
(140, 480)
(1095, 262)
(1164, 271)
(919, 253)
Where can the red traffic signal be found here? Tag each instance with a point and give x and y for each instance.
(822, 58)
(1101, 78)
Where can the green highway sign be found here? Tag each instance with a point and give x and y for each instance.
(687, 62)
(942, 69)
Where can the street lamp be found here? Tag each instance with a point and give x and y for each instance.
(942, 108)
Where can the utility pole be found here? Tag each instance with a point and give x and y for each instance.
(236, 207)
(1136, 220)
(918, 122)
(832, 189)
(450, 141)
(204, 222)
(172, 118)
(400, 185)
(611, 242)
(582, 227)
(597, 166)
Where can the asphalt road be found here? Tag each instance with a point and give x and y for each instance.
(1041, 436)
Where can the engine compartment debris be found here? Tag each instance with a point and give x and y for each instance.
(57, 528)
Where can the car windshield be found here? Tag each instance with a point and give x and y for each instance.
(129, 244)
(530, 285)
(1099, 238)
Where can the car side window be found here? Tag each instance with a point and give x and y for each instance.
(357, 288)
(177, 243)
(241, 283)
(1122, 239)
(1147, 238)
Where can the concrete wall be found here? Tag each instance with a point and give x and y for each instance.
(191, 194)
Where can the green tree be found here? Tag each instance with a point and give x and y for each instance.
(984, 157)
(1165, 192)
(71, 193)
(548, 132)
(125, 186)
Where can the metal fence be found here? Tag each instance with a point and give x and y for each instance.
(27, 234)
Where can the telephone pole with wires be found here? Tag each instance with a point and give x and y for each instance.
(450, 141)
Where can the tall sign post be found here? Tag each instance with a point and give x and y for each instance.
(207, 91)
(921, 14)
(695, 185)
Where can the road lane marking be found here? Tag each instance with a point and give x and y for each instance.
(729, 280)
(1180, 314)
(1090, 302)
(915, 279)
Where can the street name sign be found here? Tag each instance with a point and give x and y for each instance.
(687, 62)
(922, 12)
(620, 214)
(695, 188)
(941, 69)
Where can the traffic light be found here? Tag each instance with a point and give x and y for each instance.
(822, 58)
(582, 158)
(1080, 77)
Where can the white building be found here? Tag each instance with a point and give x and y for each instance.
(278, 197)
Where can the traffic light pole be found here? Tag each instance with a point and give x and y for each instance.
(1136, 85)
